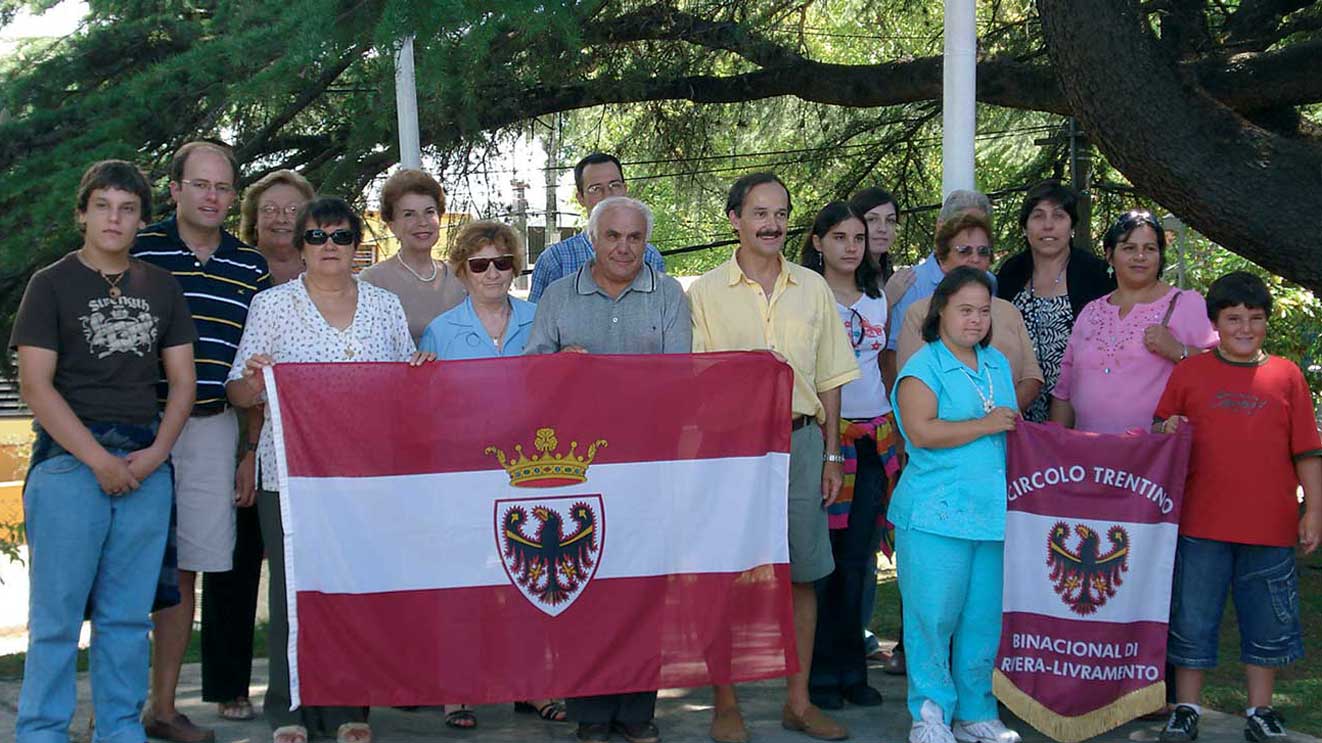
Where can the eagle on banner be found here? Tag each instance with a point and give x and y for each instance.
(561, 559)
(1085, 578)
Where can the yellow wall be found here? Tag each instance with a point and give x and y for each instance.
(15, 442)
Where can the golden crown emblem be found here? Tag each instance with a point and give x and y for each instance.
(549, 468)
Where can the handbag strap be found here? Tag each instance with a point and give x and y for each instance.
(1170, 309)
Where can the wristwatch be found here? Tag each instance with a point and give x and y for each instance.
(837, 458)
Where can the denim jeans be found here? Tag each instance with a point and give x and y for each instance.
(89, 550)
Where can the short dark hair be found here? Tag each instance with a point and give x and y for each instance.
(954, 281)
(181, 155)
(327, 210)
(865, 201)
(596, 158)
(1238, 288)
(1127, 223)
(118, 174)
(1050, 190)
(734, 202)
(865, 276)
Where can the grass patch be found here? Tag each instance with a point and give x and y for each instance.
(11, 666)
(1298, 688)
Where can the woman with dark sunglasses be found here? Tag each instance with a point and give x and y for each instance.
(486, 256)
(325, 315)
(837, 248)
(1125, 344)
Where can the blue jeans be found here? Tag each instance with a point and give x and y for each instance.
(89, 550)
(1265, 586)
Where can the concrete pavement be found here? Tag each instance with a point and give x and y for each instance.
(682, 715)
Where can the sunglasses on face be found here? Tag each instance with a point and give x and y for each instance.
(501, 262)
(319, 237)
(983, 251)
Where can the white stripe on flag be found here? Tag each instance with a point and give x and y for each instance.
(412, 532)
(1142, 596)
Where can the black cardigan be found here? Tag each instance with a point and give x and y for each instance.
(1085, 275)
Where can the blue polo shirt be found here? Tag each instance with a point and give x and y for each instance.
(959, 491)
(218, 294)
(458, 333)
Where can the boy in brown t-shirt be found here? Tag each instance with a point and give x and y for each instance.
(92, 332)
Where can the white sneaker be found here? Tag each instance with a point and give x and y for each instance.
(932, 728)
(984, 731)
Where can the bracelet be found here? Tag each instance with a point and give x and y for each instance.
(250, 446)
(1184, 351)
(837, 458)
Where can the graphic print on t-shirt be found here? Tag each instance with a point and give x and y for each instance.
(863, 335)
(1244, 403)
(123, 325)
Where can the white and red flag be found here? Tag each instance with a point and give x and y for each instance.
(1090, 535)
(546, 526)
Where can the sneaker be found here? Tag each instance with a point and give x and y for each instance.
(932, 727)
(984, 731)
(1181, 727)
(1263, 725)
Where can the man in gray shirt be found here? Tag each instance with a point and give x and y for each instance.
(614, 303)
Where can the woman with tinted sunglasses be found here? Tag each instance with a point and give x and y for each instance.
(837, 248)
(489, 322)
(486, 256)
(325, 315)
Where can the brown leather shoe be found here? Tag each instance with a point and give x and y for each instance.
(727, 726)
(179, 730)
(814, 723)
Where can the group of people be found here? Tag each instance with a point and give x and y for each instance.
(902, 396)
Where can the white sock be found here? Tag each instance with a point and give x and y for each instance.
(1249, 711)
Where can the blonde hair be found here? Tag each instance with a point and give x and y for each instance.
(474, 236)
(248, 210)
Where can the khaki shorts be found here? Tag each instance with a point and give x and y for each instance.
(810, 538)
(204, 459)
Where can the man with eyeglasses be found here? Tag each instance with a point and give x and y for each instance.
(597, 176)
(219, 276)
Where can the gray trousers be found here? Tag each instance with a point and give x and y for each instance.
(317, 720)
(630, 709)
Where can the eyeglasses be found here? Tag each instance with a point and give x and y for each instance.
(614, 187)
(856, 340)
(319, 237)
(479, 266)
(271, 210)
(983, 251)
(221, 189)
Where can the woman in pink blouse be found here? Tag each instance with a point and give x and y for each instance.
(1125, 344)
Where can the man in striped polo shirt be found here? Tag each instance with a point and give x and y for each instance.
(219, 276)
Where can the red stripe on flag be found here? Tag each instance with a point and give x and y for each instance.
(483, 645)
(659, 408)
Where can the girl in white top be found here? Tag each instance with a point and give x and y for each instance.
(837, 247)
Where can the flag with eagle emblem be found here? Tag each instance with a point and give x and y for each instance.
(1090, 531)
(522, 528)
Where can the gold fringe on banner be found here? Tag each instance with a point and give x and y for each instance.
(1074, 729)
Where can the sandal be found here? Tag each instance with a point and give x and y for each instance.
(290, 734)
(461, 719)
(552, 711)
(353, 732)
(238, 710)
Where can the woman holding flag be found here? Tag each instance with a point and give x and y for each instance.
(955, 400)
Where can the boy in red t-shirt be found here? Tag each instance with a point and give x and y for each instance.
(1255, 442)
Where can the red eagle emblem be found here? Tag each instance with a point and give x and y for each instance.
(1084, 577)
(550, 547)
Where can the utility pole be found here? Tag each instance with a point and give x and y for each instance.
(406, 106)
(521, 222)
(1081, 181)
(552, 233)
(959, 96)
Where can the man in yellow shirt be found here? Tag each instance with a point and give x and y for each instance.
(759, 300)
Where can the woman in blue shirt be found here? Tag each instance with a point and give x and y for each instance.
(955, 400)
(486, 256)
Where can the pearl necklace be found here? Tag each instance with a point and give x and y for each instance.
(989, 399)
(434, 268)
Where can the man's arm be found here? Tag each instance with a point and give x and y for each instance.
(677, 332)
(1309, 470)
(544, 336)
(181, 376)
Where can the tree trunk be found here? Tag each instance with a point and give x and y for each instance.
(1256, 193)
